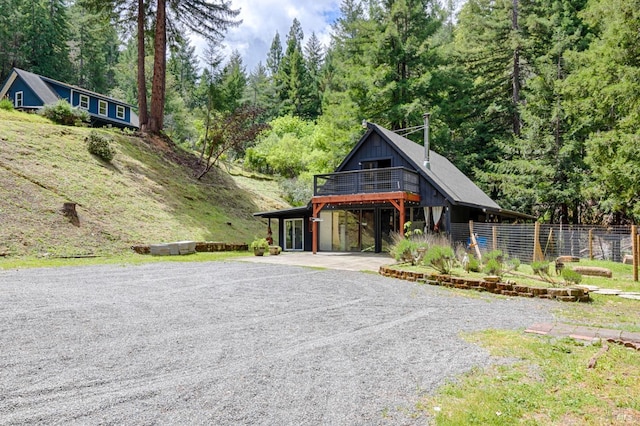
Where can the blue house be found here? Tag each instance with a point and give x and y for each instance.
(384, 182)
(30, 91)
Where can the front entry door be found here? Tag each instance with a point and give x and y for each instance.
(294, 234)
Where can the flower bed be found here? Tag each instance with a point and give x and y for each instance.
(569, 294)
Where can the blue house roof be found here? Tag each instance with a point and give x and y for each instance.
(33, 91)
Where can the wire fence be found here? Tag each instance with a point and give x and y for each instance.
(518, 240)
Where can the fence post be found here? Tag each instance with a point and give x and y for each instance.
(474, 242)
(637, 253)
(634, 248)
(537, 250)
(494, 232)
(590, 244)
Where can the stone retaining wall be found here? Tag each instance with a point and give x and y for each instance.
(569, 294)
(201, 246)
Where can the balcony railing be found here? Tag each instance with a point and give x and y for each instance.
(390, 179)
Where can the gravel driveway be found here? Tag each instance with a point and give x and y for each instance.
(233, 343)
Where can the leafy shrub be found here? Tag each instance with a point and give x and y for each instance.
(570, 276)
(514, 264)
(6, 104)
(63, 113)
(493, 267)
(540, 267)
(441, 258)
(474, 264)
(100, 146)
(493, 263)
(404, 250)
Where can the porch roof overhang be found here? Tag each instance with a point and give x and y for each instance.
(366, 198)
(285, 213)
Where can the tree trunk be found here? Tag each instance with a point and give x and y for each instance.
(143, 114)
(156, 118)
(516, 72)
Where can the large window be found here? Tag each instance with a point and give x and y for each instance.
(294, 234)
(102, 108)
(19, 99)
(84, 102)
(120, 112)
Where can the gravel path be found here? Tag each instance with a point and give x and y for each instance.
(233, 343)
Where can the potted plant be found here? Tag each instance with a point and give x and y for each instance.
(259, 246)
(275, 250)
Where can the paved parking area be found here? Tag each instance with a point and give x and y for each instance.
(231, 343)
(329, 260)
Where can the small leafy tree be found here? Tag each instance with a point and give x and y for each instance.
(231, 132)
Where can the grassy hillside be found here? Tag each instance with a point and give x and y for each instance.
(146, 195)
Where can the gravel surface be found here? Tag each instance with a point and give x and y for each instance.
(233, 343)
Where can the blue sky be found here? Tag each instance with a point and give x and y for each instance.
(262, 18)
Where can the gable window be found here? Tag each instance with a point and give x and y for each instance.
(19, 99)
(102, 108)
(120, 112)
(84, 102)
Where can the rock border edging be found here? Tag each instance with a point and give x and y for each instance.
(569, 294)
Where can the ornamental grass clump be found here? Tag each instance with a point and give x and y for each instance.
(441, 258)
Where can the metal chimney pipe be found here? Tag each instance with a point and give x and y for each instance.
(427, 164)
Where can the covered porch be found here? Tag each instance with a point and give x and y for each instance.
(370, 193)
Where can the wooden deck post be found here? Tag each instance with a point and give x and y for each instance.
(590, 244)
(314, 226)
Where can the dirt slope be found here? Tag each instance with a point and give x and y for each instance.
(146, 195)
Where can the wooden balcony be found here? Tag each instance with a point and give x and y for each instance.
(370, 181)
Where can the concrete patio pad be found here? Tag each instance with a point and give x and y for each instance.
(329, 260)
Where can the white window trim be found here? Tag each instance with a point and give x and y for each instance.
(106, 108)
(80, 101)
(21, 103)
(120, 112)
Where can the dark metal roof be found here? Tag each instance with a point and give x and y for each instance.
(295, 211)
(454, 185)
(40, 88)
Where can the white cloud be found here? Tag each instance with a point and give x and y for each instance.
(262, 18)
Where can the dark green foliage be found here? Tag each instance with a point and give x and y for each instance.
(63, 113)
(570, 276)
(100, 145)
(440, 258)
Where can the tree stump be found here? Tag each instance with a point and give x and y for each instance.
(69, 211)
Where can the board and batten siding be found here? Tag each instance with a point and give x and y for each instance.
(376, 148)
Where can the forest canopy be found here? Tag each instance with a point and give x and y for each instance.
(536, 100)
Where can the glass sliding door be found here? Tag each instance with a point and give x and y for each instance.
(294, 234)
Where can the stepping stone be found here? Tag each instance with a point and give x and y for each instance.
(588, 287)
(630, 296)
(608, 291)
